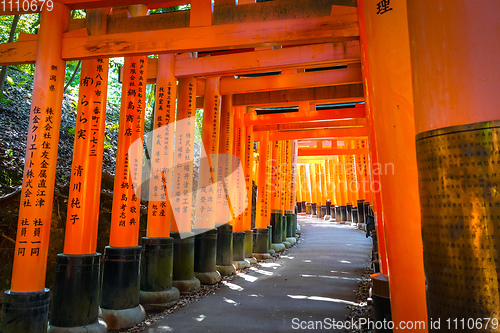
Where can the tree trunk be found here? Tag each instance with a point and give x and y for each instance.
(72, 76)
(13, 27)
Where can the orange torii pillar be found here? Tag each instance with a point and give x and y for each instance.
(459, 73)
(205, 250)
(284, 198)
(343, 189)
(312, 182)
(239, 191)
(329, 189)
(157, 292)
(261, 234)
(372, 156)
(390, 71)
(247, 214)
(351, 184)
(120, 289)
(26, 305)
(319, 189)
(310, 194)
(335, 201)
(182, 196)
(294, 182)
(299, 189)
(363, 183)
(75, 300)
(289, 191)
(324, 191)
(225, 212)
(336, 184)
(276, 220)
(305, 192)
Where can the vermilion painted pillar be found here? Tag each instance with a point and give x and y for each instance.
(314, 189)
(239, 191)
(391, 95)
(182, 199)
(157, 292)
(238, 138)
(372, 157)
(248, 168)
(225, 193)
(205, 252)
(262, 213)
(120, 292)
(455, 91)
(33, 232)
(75, 301)
(276, 202)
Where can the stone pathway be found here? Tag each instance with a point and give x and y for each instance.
(315, 280)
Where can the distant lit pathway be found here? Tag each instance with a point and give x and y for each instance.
(317, 279)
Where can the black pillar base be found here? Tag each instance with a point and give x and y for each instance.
(75, 295)
(294, 225)
(277, 225)
(381, 300)
(349, 212)
(329, 208)
(249, 247)
(361, 212)
(120, 288)
(270, 240)
(157, 292)
(25, 312)
(224, 258)
(313, 209)
(205, 251)
(261, 244)
(183, 271)
(239, 250)
(354, 212)
(284, 227)
(289, 223)
(343, 214)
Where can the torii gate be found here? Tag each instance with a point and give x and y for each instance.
(387, 38)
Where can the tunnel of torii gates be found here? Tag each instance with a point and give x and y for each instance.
(388, 103)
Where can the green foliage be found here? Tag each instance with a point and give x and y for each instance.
(170, 9)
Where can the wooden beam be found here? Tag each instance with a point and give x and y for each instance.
(280, 10)
(360, 122)
(252, 118)
(229, 36)
(79, 4)
(318, 55)
(347, 133)
(350, 75)
(18, 52)
(336, 94)
(331, 152)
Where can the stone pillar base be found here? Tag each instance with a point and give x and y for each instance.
(158, 301)
(208, 277)
(187, 286)
(25, 312)
(291, 240)
(98, 327)
(278, 247)
(241, 264)
(226, 270)
(118, 319)
(251, 260)
(262, 256)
